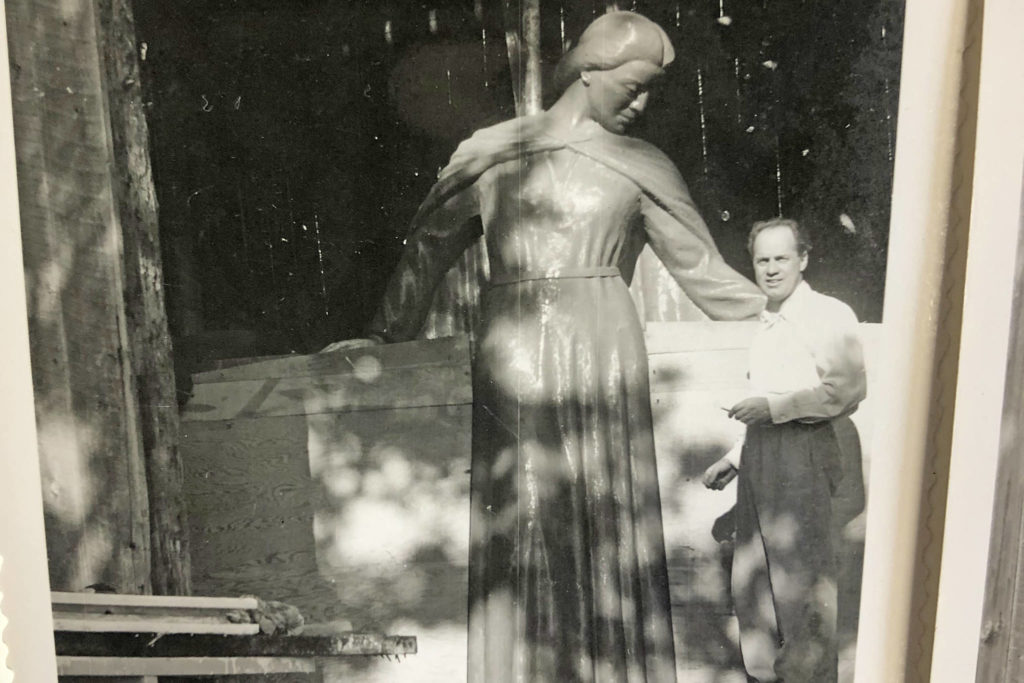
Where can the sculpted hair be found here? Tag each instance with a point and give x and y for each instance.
(803, 245)
(612, 40)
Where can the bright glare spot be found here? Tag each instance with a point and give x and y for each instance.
(396, 470)
(376, 532)
(847, 224)
(367, 369)
(342, 482)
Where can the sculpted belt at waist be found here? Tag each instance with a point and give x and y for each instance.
(554, 274)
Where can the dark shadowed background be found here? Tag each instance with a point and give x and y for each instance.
(292, 141)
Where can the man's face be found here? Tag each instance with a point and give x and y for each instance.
(778, 267)
(618, 97)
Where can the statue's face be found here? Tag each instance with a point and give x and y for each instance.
(617, 97)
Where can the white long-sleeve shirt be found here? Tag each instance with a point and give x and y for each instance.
(807, 360)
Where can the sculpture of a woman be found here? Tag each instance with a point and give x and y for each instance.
(568, 578)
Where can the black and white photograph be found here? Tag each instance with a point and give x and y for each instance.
(466, 340)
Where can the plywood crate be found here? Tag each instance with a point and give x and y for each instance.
(340, 483)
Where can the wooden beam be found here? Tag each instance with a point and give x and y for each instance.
(94, 499)
(63, 601)
(112, 613)
(123, 623)
(1001, 652)
(148, 334)
(532, 103)
(178, 645)
(409, 375)
(406, 388)
(182, 666)
(522, 40)
(417, 354)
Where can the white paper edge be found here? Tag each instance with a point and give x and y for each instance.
(24, 578)
(995, 217)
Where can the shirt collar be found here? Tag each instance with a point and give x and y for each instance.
(792, 303)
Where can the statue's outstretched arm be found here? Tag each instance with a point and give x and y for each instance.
(698, 267)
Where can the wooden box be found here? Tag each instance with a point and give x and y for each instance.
(340, 483)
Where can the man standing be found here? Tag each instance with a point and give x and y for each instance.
(806, 370)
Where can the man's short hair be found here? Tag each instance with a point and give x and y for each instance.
(803, 245)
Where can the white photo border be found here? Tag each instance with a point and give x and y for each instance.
(24, 578)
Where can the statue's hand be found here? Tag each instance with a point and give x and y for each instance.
(345, 344)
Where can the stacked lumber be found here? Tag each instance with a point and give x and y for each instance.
(144, 636)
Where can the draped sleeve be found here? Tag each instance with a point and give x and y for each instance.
(682, 243)
(437, 239)
(674, 229)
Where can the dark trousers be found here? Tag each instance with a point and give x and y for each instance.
(784, 574)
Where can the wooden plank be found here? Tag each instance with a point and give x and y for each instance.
(62, 600)
(182, 666)
(675, 337)
(96, 512)
(530, 24)
(444, 351)
(216, 364)
(399, 388)
(705, 370)
(249, 482)
(124, 623)
(1001, 652)
(182, 645)
(684, 359)
(251, 496)
(115, 614)
(256, 531)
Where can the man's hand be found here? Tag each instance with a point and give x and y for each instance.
(752, 411)
(719, 474)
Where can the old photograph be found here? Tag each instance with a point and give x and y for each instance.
(466, 340)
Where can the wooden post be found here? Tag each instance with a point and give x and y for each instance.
(522, 38)
(94, 494)
(104, 392)
(148, 335)
(532, 103)
(1002, 630)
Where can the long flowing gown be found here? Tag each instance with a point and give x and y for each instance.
(568, 577)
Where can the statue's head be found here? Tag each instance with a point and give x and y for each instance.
(616, 59)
